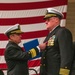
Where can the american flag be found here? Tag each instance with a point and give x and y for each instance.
(29, 14)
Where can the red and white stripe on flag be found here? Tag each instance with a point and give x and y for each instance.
(29, 14)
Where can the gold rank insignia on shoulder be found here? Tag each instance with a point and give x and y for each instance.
(51, 41)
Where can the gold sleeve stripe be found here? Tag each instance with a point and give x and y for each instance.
(33, 52)
(64, 71)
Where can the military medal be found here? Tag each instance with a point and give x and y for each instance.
(51, 41)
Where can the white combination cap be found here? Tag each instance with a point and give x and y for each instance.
(15, 29)
(51, 12)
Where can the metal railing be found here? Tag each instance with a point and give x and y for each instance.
(2, 73)
(34, 71)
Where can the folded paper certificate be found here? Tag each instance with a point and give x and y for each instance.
(30, 44)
